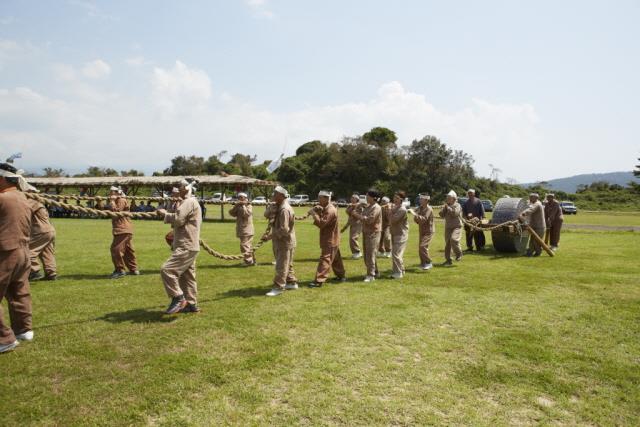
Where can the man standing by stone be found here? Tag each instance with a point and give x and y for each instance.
(15, 264)
(42, 242)
(179, 271)
(534, 214)
(473, 211)
(554, 219)
(424, 218)
(283, 236)
(384, 250)
(450, 212)
(243, 213)
(122, 253)
(355, 226)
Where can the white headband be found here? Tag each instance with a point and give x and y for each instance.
(22, 183)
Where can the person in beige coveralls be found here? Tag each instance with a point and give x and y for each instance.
(554, 219)
(450, 212)
(325, 217)
(41, 243)
(424, 218)
(122, 252)
(399, 228)
(15, 229)
(283, 236)
(384, 249)
(371, 218)
(179, 271)
(243, 213)
(355, 226)
(534, 214)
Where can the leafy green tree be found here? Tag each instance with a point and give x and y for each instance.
(132, 172)
(96, 171)
(54, 172)
(183, 166)
(381, 137)
(636, 172)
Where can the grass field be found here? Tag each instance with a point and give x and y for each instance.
(493, 340)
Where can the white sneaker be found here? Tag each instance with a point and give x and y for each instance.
(8, 347)
(25, 336)
(291, 286)
(273, 263)
(396, 275)
(357, 255)
(427, 266)
(369, 279)
(387, 255)
(274, 292)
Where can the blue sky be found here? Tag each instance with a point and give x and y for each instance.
(539, 89)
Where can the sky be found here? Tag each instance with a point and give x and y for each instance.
(539, 90)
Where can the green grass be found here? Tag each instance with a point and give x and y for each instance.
(604, 218)
(493, 340)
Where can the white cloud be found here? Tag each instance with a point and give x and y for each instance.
(82, 130)
(137, 61)
(97, 69)
(180, 90)
(261, 8)
(11, 50)
(92, 10)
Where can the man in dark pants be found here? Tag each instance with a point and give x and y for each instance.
(15, 263)
(472, 210)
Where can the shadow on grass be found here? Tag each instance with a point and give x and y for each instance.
(104, 276)
(257, 291)
(138, 315)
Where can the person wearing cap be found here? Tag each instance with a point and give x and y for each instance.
(325, 217)
(534, 215)
(371, 218)
(450, 212)
(473, 211)
(179, 271)
(243, 213)
(399, 228)
(384, 249)
(41, 242)
(554, 218)
(15, 263)
(355, 226)
(426, 229)
(270, 214)
(122, 253)
(283, 236)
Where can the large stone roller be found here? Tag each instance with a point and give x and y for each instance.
(506, 239)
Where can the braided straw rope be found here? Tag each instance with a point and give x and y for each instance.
(135, 215)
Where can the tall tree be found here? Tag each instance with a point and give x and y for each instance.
(183, 166)
(132, 172)
(53, 172)
(637, 171)
(97, 171)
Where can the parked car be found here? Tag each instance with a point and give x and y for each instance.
(299, 199)
(260, 200)
(341, 202)
(462, 200)
(488, 205)
(406, 203)
(218, 197)
(568, 208)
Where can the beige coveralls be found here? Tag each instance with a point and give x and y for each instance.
(122, 252)
(535, 214)
(15, 265)
(179, 271)
(244, 229)
(371, 228)
(355, 229)
(452, 229)
(427, 228)
(284, 244)
(554, 219)
(330, 258)
(42, 241)
(385, 233)
(399, 228)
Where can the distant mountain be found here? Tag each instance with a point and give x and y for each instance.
(570, 184)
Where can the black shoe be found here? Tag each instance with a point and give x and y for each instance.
(536, 254)
(458, 258)
(51, 277)
(339, 279)
(177, 304)
(117, 274)
(190, 308)
(469, 250)
(315, 285)
(447, 263)
(35, 275)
